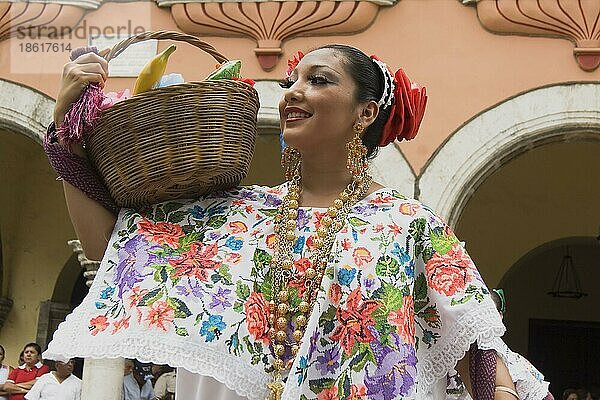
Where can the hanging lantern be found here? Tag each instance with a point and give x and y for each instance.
(566, 284)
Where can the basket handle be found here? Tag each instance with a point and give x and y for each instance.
(161, 35)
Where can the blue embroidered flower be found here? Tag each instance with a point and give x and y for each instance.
(106, 293)
(301, 369)
(401, 253)
(213, 327)
(346, 275)
(299, 245)
(100, 305)
(234, 243)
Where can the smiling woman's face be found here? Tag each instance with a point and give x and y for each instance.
(319, 109)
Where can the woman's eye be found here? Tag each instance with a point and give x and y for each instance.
(318, 79)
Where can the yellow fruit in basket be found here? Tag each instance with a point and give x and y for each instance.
(153, 71)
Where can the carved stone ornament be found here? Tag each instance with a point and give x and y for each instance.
(43, 18)
(269, 23)
(90, 267)
(574, 20)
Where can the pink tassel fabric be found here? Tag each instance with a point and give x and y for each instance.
(84, 113)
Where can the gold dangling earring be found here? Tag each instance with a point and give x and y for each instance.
(357, 153)
(290, 161)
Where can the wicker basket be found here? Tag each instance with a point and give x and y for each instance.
(176, 142)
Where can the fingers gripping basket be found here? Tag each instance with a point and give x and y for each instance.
(176, 142)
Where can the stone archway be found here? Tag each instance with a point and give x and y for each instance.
(563, 112)
(24, 110)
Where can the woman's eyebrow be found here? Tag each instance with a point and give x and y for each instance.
(317, 66)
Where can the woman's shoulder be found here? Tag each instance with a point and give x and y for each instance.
(395, 203)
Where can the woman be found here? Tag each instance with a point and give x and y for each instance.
(328, 286)
(21, 379)
(4, 371)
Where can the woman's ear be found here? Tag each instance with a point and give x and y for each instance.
(369, 113)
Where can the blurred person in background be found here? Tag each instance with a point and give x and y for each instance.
(4, 371)
(21, 380)
(59, 384)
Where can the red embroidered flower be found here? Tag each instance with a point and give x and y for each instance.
(395, 229)
(357, 392)
(271, 241)
(346, 244)
(329, 394)
(362, 256)
(293, 63)
(122, 323)
(160, 315)
(406, 112)
(233, 258)
(136, 295)
(98, 324)
(404, 319)
(257, 308)
(197, 261)
(335, 293)
(161, 232)
(355, 320)
(449, 273)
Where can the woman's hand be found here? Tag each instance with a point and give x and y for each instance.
(77, 74)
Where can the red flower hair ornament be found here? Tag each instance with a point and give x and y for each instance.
(407, 107)
(406, 99)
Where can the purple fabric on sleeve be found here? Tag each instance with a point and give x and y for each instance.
(482, 370)
(77, 171)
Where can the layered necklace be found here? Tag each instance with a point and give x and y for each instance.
(288, 315)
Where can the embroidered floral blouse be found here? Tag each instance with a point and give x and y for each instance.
(185, 284)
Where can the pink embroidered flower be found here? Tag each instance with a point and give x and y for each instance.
(98, 324)
(329, 394)
(256, 309)
(357, 392)
(160, 315)
(197, 262)
(346, 244)
(161, 232)
(449, 273)
(233, 258)
(362, 256)
(404, 319)
(119, 324)
(378, 228)
(298, 281)
(271, 240)
(395, 229)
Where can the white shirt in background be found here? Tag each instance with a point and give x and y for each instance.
(47, 387)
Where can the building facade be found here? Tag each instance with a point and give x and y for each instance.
(508, 152)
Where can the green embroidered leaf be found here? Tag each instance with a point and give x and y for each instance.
(421, 304)
(180, 308)
(344, 387)
(387, 266)
(181, 331)
(149, 298)
(266, 288)
(198, 319)
(441, 242)
(356, 222)
(225, 274)
(242, 290)
(161, 275)
(169, 207)
(327, 320)
(271, 212)
(177, 217)
(187, 240)
(392, 297)
(463, 300)
(420, 291)
(261, 259)
(398, 195)
(329, 272)
(238, 306)
(318, 385)
(380, 315)
(416, 229)
(159, 215)
(216, 221)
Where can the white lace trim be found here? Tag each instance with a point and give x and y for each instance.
(246, 380)
(479, 324)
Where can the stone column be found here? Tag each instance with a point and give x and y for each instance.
(102, 378)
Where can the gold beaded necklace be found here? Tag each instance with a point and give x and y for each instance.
(282, 265)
